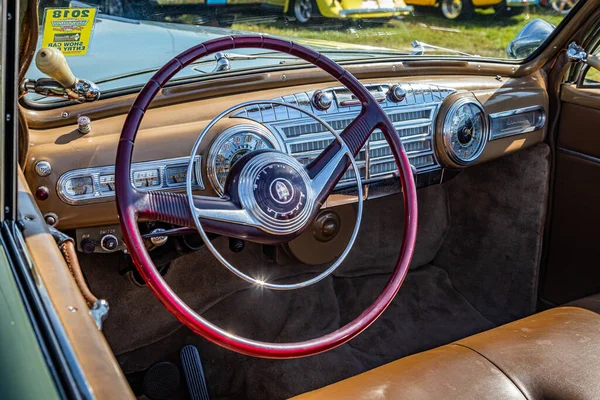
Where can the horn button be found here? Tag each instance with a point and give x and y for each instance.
(275, 188)
(280, 191)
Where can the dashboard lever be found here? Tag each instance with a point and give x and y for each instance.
(63, 84)
(53, 63)
(170, 232)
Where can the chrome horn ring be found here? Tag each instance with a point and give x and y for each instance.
(310, 198)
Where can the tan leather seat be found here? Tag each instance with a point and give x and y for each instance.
(551, 355)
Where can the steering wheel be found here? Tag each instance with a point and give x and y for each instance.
(251, 183)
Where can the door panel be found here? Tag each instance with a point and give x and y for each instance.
(94, 356)
(573, 264)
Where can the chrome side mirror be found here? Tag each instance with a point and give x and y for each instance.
(63, 84)
(529, 38)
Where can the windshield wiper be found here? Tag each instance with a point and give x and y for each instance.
(217, 57)
(223, 59)
(420, 48)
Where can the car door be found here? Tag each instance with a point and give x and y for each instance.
(572, 267)
(25, 370)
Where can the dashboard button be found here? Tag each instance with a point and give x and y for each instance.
(109, 243)
(88, 246)
(397, 94)
(322, 100)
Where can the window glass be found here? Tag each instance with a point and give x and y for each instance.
(132, 38)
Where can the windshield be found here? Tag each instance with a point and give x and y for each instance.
(119, 44)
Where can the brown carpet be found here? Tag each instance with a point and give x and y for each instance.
(475, 266)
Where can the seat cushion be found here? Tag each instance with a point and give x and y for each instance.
(591, 303)
(553, 354)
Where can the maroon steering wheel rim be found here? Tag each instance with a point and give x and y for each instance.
(129, 203)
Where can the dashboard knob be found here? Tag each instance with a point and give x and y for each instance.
(322, 100)
(397, 94)
(158, 240)
(88, 246)
(84, 125)
(326, 226)
(43, 168)
(109, 243)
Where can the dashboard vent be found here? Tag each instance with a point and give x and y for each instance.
(315, 145)
(408, 116)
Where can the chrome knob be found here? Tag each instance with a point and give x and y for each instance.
(84, 124)
(397, 94)
(322, 100)
(43, 168)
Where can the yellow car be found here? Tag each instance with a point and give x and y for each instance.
(463, 9)
(306, 10)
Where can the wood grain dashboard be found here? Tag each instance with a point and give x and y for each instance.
(171, 127)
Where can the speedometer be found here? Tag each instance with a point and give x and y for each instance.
(465, 131)
(232, 145)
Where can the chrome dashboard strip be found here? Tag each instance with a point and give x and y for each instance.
(97, 195)
(496, 117)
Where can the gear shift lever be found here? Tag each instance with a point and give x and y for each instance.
(64, 84)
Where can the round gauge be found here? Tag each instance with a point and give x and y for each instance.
(465, 131)
(230, 146)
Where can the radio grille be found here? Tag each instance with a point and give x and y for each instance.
(413, 119)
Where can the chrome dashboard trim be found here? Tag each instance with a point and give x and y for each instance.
(414, 119)
(97, 196)
(518, 131)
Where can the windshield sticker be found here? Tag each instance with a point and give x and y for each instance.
(68, 29)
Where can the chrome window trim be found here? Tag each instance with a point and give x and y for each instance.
(96, 172)
(513, 112)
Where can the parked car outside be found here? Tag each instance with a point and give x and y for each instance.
(464, 9)
(560, 6)
(301, 11)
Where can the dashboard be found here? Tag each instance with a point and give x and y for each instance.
(444, 124)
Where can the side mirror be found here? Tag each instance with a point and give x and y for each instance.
(529, 38)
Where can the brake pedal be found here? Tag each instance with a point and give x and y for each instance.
(194, 374)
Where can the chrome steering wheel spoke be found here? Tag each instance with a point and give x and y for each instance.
(323, 181)
(229, 213)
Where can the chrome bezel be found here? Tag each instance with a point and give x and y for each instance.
(447, 134)
(98, 196)
(226, 135)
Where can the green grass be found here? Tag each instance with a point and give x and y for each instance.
(486, 34)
